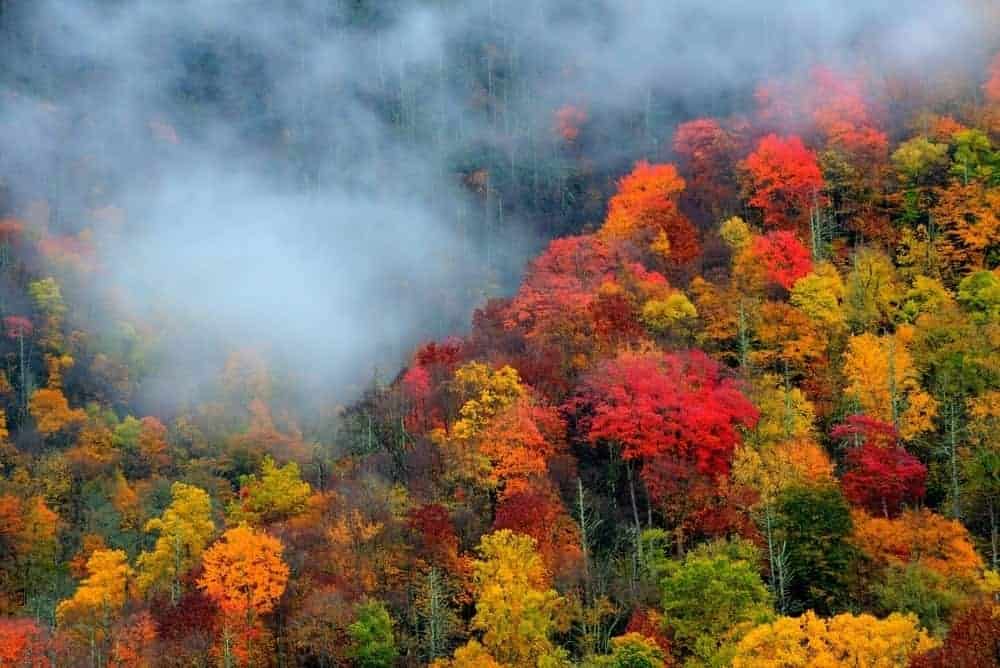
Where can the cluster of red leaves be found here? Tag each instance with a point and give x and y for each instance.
(784, 258)
(707, 153)
(22, 643)
(676, 404)
(435, 533)
(881, 475)
(785, 181)
(972, 642)
(883, 479)
(561, 281)
(649, 623)
(433, 363)
(17, 326)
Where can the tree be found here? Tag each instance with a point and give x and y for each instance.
(51, 411)
(679, 406)
(783, 180)
(979, 293)
(707, 152)
(89, 613)
(486, 392)
(677, 403)
(22, 643)
(515, 608)
(519, 441)
(872, 292)
(969, 223)
(278, 494)
(185, 528)
(918, 537)
(244, 573)
(645, 211)
(922, 592)
(713, 597)
(631, 650)
(372, 642)
(881, 375)
(973, 641)
(844, 640)
(883, 479)
(783, 256)
(815, 524)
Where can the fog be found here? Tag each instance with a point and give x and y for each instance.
(292, 172)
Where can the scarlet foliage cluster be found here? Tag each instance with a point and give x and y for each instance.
(784, 181)
(784, 257)
(883, 479)
(677, 404)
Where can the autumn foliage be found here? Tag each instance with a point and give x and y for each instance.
(784, 182)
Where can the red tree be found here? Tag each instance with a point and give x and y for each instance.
(784, 181)
(972, 642)
(882, 479)
(676, 404)
(783, 256)
(707, 153)
(22, 643)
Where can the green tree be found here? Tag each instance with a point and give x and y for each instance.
(713, 597)
(815, 523)
(373, 644)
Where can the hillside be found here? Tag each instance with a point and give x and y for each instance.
(743, 408)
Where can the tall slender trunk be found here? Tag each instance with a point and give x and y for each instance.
(635, 512)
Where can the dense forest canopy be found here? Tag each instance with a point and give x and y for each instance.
(422, 332)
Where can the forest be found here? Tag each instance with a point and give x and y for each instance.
(704, 379)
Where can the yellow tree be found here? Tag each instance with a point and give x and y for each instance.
(278, 494)
(487, 392)
(882, 377)
(862, 641)
(184, 530)
(98, 600)
(969, 218)
(516, 608)
(820, 295)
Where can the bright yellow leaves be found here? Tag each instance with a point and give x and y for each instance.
(278, 494)
(662, 316)
(820, 296)
(516, 610)
(489, 392)
(882, 377)
(101, 594)
(862, 641)
(185, 528)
